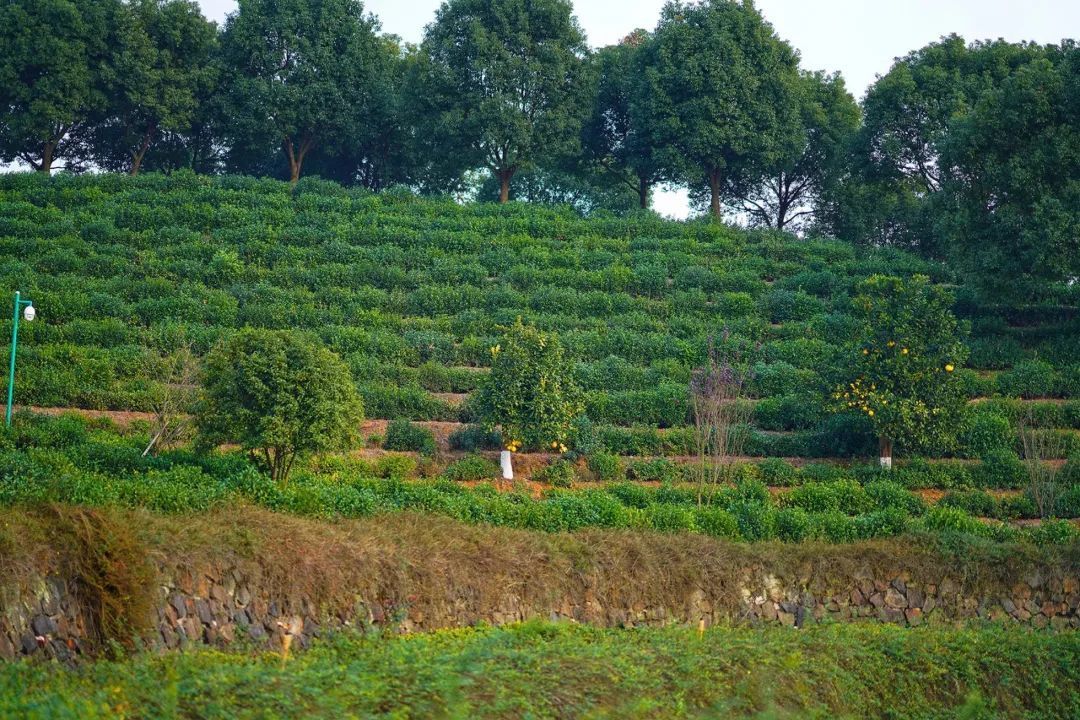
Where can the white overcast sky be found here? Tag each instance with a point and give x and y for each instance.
(860, 38)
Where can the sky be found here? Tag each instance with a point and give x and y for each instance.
(860, 38)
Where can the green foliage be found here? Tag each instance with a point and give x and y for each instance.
(316, 96)
(840, 670)
(404, 435)
(1008, 153)
(1029, 378)
(58, 59)
(505, 83)
(559, 473)
(606, 467)
(413, 293)
(719, 123)
(278, 396)
(899, 369)
(985, 432)
(472, 467)
(529, 395)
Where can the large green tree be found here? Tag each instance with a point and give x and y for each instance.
(295, 73)
(380, 147)
(57, 73)
(164, 68)
(793, 184)
(908, 113)
(506, 84)
(1011, 169)
(724, 94)
(616, 137)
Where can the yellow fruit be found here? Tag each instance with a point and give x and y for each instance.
(865, 351)
(904, 351)
(949, 368)
(870, 413)
(891, 343)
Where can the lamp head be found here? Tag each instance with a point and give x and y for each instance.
(29, 313)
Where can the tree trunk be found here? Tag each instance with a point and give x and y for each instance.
(47, 158)
(643, 193)
(137, 158)
(714, 188)
(885, 452)
(296, 157)
(504, 184)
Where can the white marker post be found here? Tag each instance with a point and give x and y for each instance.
(507, 467)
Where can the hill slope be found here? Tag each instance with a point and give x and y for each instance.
(412, 293)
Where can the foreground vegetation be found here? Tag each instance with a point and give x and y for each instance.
(74, 461)
(542, 670)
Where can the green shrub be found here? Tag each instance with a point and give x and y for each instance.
(815, 497)
(655, 470)
(793, 524)
(559, 473)
(834, 526)
(472, 467)
(1054, 532)
(882, 523)
(395, 466)
(474, 437)
(756, 520)
(630, 494)
(716, 522)
(1028, 379)
(974, 502)
(670, 518)
(1000, 469)
(942, 518)
(405, 436)
(888, 495)
(258, 392)
(606, 467)
(985, 432)
(778, 472)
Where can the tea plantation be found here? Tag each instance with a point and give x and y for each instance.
(413, 293)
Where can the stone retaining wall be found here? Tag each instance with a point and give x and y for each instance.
(218, 606)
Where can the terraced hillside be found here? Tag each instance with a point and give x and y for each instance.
(412, 293)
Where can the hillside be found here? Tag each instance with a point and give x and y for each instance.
(412, 293)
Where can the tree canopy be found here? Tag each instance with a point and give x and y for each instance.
(278, 396)
(298, 71)
(724, 89)
(899, 370)
(58, 71)
(508, 82)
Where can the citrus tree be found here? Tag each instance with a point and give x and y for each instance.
(529, 395)
(278, 396)
(899, 369)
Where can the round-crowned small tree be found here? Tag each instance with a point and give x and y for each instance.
(899, 369)
(529, 395)
(279, 396)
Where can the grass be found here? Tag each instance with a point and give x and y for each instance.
(543, 670)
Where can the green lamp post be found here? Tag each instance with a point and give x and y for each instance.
(28, 312)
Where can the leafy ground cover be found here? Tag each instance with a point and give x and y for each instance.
(543, 670)
(74, 461)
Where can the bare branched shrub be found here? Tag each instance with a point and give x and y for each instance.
(1039, 448)
(718, 401)
(172, 402)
